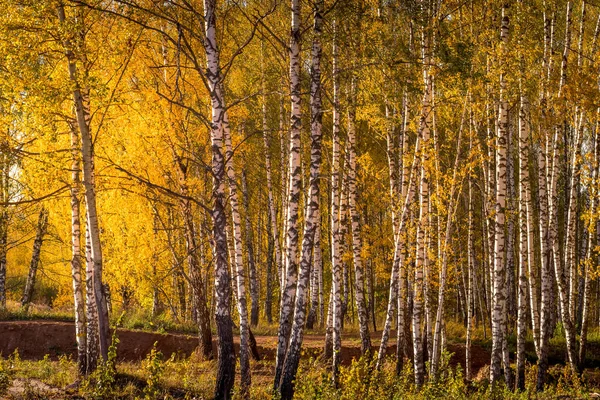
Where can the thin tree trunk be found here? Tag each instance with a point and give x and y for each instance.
(336, 259)
(546, 267)
(398, 274)
(524, 244)
(92, 345)
(238, 263)
(252, 274)
(4, 193)
(592, 253)
(195, 268)
(274, 233)
(425, 125)
(316, 285)
(363, 321)
(42, 226)
(553, 229)
(470, 281)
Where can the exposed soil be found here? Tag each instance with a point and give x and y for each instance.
(34, 339)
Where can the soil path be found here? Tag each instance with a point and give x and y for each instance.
(34, 339)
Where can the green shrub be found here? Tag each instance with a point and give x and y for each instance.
(154, 366)
(5, 377)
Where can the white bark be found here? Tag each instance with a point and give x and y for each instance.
(499, 289)
(295, 183)
(81, 103)
(336, 260)
(356, 230)
(226, 352)
(292, 359)
(76, 264)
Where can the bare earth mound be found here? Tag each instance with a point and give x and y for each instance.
(34, 339)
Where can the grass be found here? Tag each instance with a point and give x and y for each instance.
(191, 377)
(14, 312)
(187, 378)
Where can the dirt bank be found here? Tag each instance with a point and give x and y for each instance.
(34, 339)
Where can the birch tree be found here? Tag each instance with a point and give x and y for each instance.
(226, 351)
(292, 359)
(82, 113)
(499, 290)
(40, 232)
(295, 183)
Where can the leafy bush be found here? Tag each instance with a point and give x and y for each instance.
(154, 366)
(5, 377)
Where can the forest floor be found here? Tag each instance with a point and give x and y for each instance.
(45, 345)
(35, 339)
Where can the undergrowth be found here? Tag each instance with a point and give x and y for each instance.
(187, 378)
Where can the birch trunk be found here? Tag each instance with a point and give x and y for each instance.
(592, 253)
(226, 351)
(92, 345)
(423, 219)
(40, 232)
(363, 321)
(336, 260)
(238, 262)
(398, 274)
(295, 182)
(553, 220)
(292, 358)
(194, 268)
(4, 184)
(76, 264)
(525, 262)
(316, 285)
(546, 267)
(82, 111)
(470, 281)
(252, 274)
(274, 234)
(437, 331)
(499, 289)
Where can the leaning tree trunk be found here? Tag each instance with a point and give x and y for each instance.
(252, 274)
(274, 233)
(553, 220)
(237, 260)
(546, 298)
(226, 351)
(82, 111)
(295, 182)
(398, 274)
(42, 227)
(195, 268)
(361, 308)
(437, 331)
(292, 358)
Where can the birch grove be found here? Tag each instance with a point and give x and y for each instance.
(361, 195)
